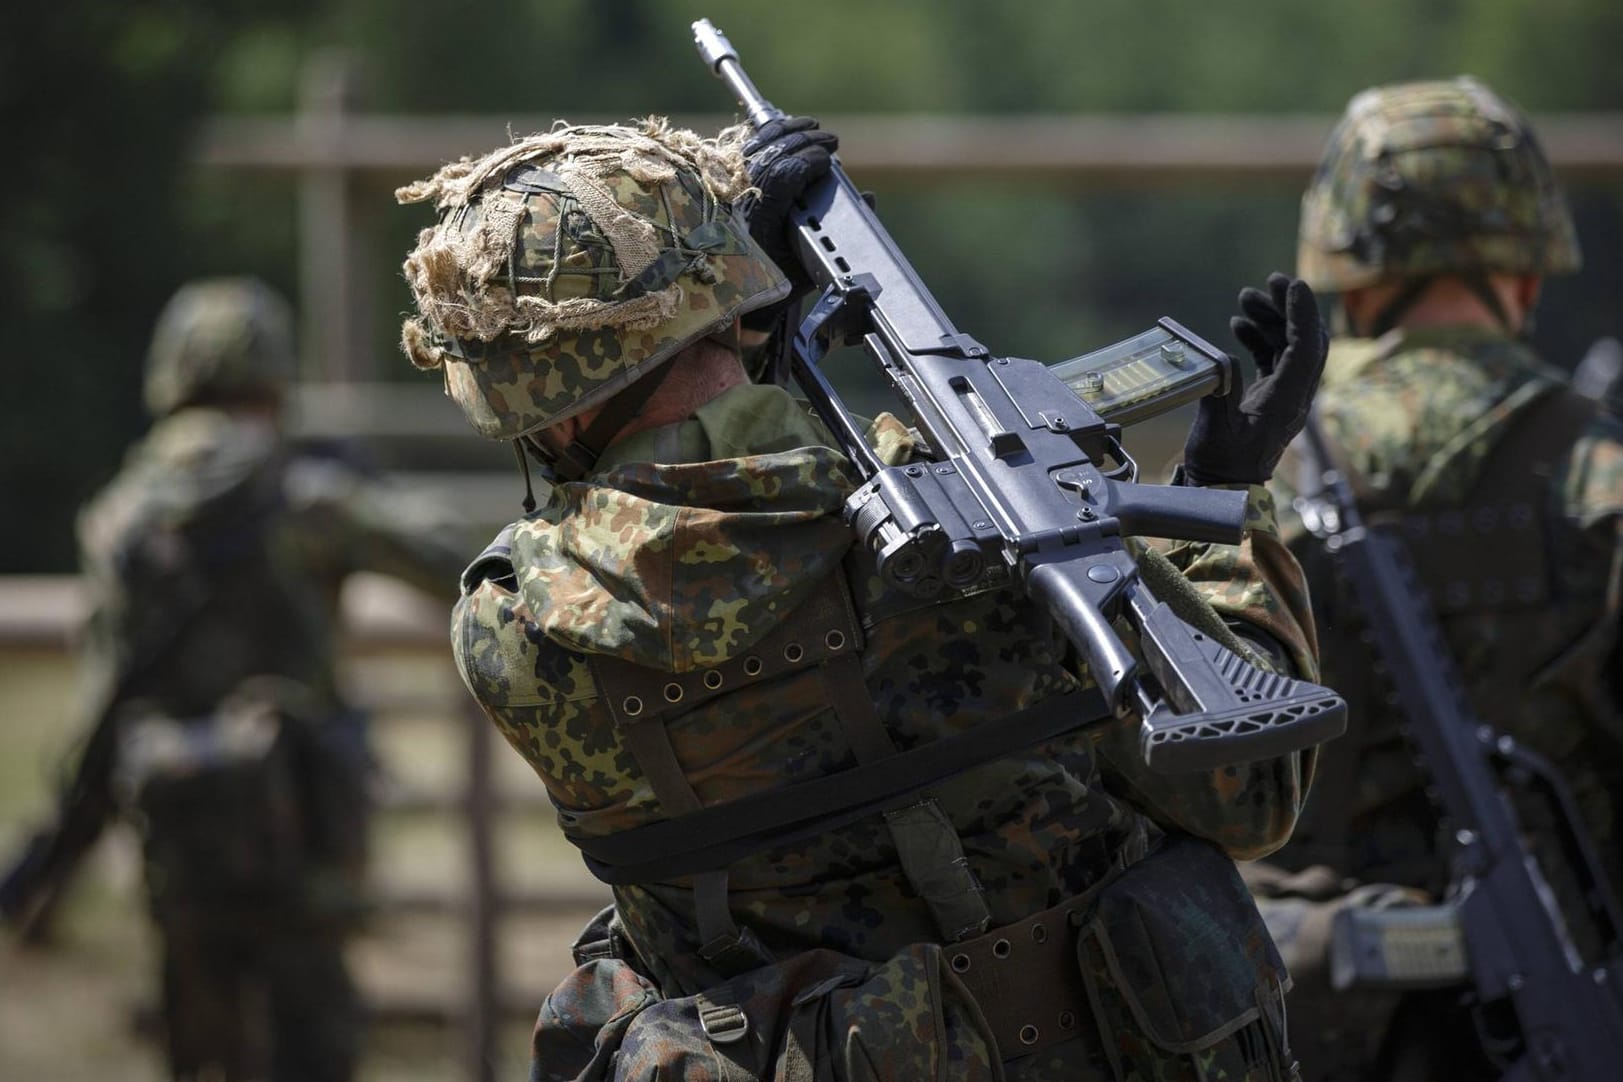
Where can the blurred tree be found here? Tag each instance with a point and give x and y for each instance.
(102, 218)
(97, 99)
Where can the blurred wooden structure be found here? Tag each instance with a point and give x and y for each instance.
(387, 623)
(333, 147)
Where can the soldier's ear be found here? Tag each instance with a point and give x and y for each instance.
(1355, 310)
(1528, 288)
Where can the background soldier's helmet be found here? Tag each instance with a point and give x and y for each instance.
(1432, 178)
(219, 340)
(568, 265)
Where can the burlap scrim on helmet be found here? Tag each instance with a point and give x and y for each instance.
(456, 270)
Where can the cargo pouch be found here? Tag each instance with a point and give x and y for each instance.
(1181, 974)
(820, 1016)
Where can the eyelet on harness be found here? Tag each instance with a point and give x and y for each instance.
(673, 692)
(752, 666)
(793, 653)
(632, 706)
(1001, 948)
(1028, 1034)
(835, 639)
(712, 679)
(960, 963)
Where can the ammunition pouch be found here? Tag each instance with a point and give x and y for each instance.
(1182, 976)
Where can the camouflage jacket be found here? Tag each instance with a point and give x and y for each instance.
(1416, 415)
(217, 554)
(678, 566)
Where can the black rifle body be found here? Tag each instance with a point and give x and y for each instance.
(1028, 483)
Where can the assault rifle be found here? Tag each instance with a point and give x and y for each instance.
(32, 887)
(1514, 941)
(1029, 482)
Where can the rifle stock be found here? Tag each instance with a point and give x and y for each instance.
(1029, 483)
(1517, 942)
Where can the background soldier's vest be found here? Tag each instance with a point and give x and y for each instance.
(1495, 568)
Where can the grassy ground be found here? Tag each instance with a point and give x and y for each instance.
(69, 1010)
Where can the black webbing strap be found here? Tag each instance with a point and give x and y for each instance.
(722, 943)
(718, 835)
(927, 844)
(1521, 465)
(1409, 294)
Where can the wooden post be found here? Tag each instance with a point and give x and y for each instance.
(483, 1011)
(332, 299)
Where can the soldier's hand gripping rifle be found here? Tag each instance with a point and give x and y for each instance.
(1029, 481)
(1518, 945)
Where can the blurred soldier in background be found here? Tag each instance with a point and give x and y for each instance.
(1435, 216)
(685, 626)
(213, 563)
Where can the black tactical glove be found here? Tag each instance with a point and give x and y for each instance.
(1238, 438)
(784, 157)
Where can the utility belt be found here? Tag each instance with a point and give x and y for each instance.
(1163, 969)
(1025, 977)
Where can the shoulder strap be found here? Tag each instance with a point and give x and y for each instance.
(1524, 461)
(1489, 553)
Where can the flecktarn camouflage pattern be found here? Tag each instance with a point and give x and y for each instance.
(1416, 415)
(219, 338)
(1431, 178)
(569, 264)
(689, 545)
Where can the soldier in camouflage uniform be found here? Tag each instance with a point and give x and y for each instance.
(213, 563)
(684, 627)
(1435, 215)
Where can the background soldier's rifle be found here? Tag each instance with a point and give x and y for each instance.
(1518, 944)
(1029, 482)
(33, 886)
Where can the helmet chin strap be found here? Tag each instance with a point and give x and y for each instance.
(576, 459)
(1413, 289)
(524, 468)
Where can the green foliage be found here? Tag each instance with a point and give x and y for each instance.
(102, 218)
(98, 100)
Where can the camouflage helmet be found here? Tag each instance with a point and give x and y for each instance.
(567, 265)
(1432, 178)
(219, 338)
